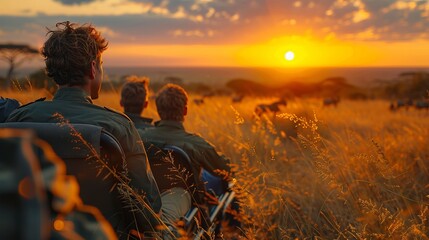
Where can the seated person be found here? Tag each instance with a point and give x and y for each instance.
(134, 95)
(7, 105)
(171, 104)
(73, 59)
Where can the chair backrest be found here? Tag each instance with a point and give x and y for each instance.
(23, 203)
(90, 154)
(164, 160)
(170, 166)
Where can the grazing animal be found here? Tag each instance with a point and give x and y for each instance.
(392, 107)
(237, 99)
(422, 105)
(404, 104)
(198, 101)
(273, 107)
(331, 101)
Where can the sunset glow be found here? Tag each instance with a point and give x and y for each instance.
(291, 119)
(207, 33)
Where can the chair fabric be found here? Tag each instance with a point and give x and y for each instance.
(170, 163)
(170, 167)
(161, 158)
(23, 203)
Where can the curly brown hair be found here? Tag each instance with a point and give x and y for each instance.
(70, 50)
(134, 94)
(171, 101)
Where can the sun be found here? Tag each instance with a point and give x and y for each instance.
(289, 55)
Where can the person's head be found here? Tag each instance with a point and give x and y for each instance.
(134, 94)
(73, 56)
(171, 103)
(7, 105)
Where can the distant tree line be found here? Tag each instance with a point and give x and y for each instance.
(408, 85)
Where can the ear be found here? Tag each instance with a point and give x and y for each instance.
(93, 70)
(145, 104)
(185, 111)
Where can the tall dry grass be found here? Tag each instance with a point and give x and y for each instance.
(357, 171)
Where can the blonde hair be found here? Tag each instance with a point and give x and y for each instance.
(171, 101)
(134, 94)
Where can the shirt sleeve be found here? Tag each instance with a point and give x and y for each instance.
(209, 158)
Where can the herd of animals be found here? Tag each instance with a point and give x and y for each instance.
(274, 107)
(409, 103)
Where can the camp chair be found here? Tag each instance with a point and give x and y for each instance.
(198, 222)
(198, 216)
(23, 204)
(80, 146)
(171, 167)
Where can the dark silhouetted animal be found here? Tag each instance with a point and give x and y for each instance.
(331, 101)
(273, 107)
(423, 104)
(404, 104)
(198, 101)
(237, 99)
(392, 107)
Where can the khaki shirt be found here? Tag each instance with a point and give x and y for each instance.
(201, 152)
(76, 107)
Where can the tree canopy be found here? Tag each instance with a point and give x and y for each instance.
(15, 55)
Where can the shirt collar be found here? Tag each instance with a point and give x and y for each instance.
(170, 123)
(74, 94)
(137, 116)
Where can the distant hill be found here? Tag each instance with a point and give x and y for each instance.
(248, 87)
(334, 86)
(408, 85)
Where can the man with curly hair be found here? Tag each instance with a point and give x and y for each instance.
(73, 59)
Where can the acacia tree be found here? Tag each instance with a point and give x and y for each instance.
(15, 55)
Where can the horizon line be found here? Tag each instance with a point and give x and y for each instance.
(265, 67)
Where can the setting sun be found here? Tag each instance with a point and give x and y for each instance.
(289, 55)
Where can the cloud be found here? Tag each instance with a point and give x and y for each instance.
(389, 20)
(74, 2)
(232, 21)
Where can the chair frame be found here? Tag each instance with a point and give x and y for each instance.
(224, 200)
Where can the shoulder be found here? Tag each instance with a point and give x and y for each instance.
(30, 103)
(197, 140)
(117, 113)
(24, 110)
(148, 132)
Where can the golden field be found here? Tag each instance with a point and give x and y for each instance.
(355, 171)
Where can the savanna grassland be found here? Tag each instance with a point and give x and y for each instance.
(355, 171)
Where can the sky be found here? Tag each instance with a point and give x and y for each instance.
(236, 33)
